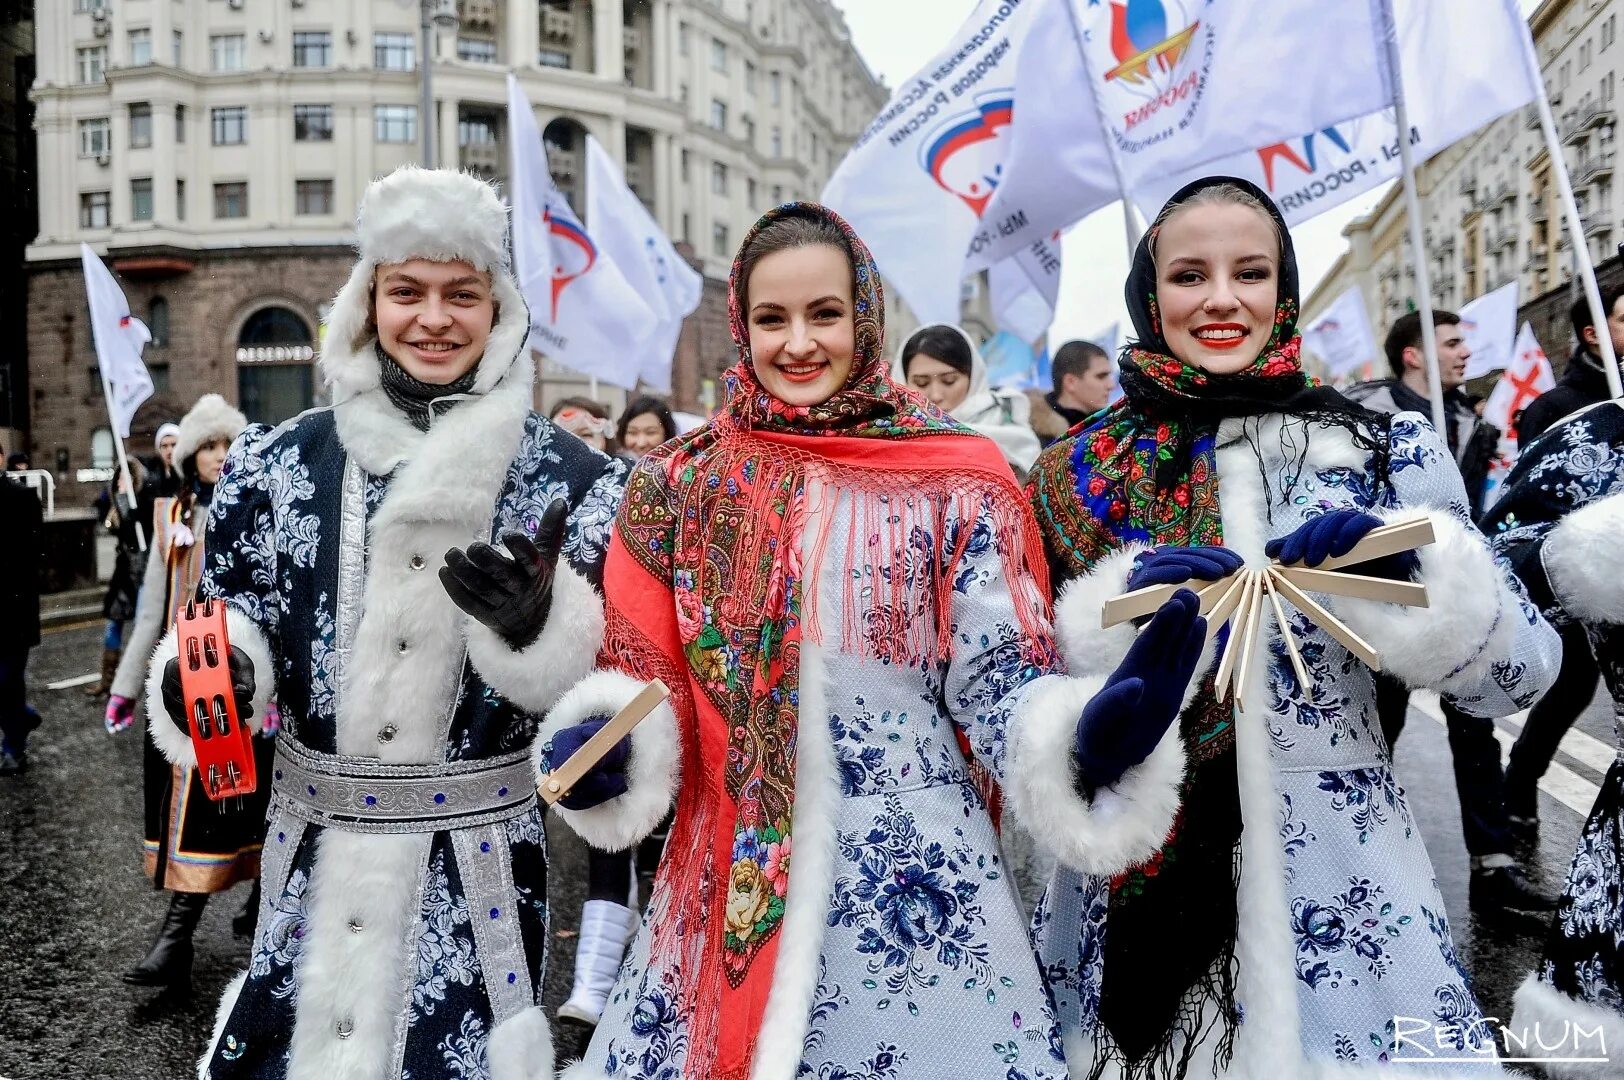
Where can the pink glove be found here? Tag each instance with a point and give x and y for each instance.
(273, 720)
(120, 714)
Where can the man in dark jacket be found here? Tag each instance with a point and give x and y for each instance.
(1083, 378)
(1584, 382)
(20, 538)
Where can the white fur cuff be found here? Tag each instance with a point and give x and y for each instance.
(521, 1047)
(1582, 563)
(535, 677)
(1470, 625)
(173, 743)
(1589, 1031)
(1124, 824)
(652, 773)
(1088, 649)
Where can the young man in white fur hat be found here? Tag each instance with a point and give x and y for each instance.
(403, 926)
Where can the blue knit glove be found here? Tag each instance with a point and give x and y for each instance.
(1176, 565)
(606, 780)
(1122, 724)
(1334, 534)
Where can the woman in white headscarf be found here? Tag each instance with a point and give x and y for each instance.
(944, 366)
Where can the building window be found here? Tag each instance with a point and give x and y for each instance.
(177, 47)
(553, 58)
(231, 200)
(92, 63)
(229, 125)
(749, 123)
(394, 123)
(180, 200)
(775, 88)
(226, 52)
(719, 246)
(87, 7)
(312, 123)
(180, 123)
(103, 453)
(683, 45)
(140, 47)
(312, 197)
(94, 137)
(718, 54)
(476, 50)
(476, 131)
(750, 193)
(394, 52)
(778, 194)
(685, 166)
(94, 207)
(749, 77)
(718, 178)
(718, 114)
(312, 49)
(140, 125)
(777, 141)
(141, 199)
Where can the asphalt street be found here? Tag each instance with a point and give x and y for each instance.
(76, 910)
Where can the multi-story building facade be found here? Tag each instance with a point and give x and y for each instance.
(1492, 214)
(17, 190)
(214, 152)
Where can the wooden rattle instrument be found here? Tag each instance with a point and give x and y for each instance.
(557, 784)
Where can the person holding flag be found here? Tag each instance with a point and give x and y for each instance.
(1285, 910)
(403, 926)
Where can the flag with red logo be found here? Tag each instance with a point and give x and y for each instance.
(1525, 378)
(583, 313)
(119, 338)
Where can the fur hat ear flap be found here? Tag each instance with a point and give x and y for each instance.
(211, 418)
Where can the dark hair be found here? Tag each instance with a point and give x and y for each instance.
(793, 231)
(585, 404)
(20, 457)
(1581, 311)
(1075, 358)
(1406, 334)
(647, 406)
(941, 342)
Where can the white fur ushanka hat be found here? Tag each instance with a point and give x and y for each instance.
(436, 214)
(211, 418)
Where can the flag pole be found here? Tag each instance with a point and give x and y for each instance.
(1130, 220)
(1585, 269)
(118, 446)
(1412, 210)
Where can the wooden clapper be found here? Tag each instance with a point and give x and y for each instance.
(1240, 600)
(557, 784)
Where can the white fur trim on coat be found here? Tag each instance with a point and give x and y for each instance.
(535, 677)
(213, 417)
(1470, 625)
(521, 1047)
(174, 744)
(436, 214)
(222, 1015)
(1540, 1003)
(1124, 824)
(1088, 649)
(652, 772)
(1583, 564)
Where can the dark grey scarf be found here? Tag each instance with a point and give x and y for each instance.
(415, 398)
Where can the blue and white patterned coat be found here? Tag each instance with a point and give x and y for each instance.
(1341, 925)
(904, 949)
(365, 964)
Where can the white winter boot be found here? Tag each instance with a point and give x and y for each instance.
(606, 927)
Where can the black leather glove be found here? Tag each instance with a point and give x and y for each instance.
(242, 688)
(511, 596)
(606, 780)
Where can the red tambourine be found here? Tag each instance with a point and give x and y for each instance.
(224, 744)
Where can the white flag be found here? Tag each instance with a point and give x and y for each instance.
(917, 182)
(582, 311)
(1488, 324)
(1179, 83)
(1463, 66)
(119, 338)
(628, 234)
(1342, 336)
(1024, 289)
(1525, 378)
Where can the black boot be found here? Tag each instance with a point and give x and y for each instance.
(242, 923)
(170, 961)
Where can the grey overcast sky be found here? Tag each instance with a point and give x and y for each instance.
(896, 37)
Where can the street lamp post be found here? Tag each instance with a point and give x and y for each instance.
(440, 14)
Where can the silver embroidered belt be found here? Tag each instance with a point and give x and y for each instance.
(358, 794)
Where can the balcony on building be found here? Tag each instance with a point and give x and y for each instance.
(1579, 121)
(1468, 184)
(565, 140)
(637, 42)
(1593, 167)
(479, 31)
(479, 141)
(640, 164)
(565, 35)
(1538, 215)
(1598, 227)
